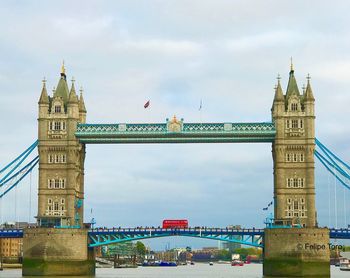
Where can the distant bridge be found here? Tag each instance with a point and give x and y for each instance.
(100, 236)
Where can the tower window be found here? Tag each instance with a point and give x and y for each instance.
(57, 108)
(294, 107)
(62, 183)
(57, 184)
(301, 124)
(288, 124)
(295, 182)
(294, 123)
(57, 125)
(50, 158)
(296, 205)
(288, 157)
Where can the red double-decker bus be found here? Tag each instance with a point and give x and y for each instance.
(171, 224)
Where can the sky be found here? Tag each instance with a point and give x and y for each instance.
(175, 54)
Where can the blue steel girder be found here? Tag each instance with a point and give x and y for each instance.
(182, 133)
(250, 237)
(11, 233)
(339, 233)
(100, 237)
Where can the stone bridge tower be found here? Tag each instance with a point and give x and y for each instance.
(61, 156)
(293, 154)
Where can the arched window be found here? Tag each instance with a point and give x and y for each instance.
(294, 123)
(295, 157)
(55, 206)
(296, 205)
(294, 107)
(62, 183)
(57, 184)
(288, 123)
(50, 158)
(57, 108)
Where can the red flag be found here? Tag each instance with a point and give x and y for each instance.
(146, 104)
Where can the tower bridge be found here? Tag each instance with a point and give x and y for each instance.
(63, 134)
(62, 137)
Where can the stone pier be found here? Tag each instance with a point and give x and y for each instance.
(57, 252)
(296, 252)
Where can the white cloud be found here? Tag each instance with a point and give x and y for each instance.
(174, 47)
(333, 71)
(257, 42)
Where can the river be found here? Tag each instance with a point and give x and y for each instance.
(197, 271)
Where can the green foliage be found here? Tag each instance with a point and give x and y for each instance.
(140, 248)
(224, 255)
(346, 248)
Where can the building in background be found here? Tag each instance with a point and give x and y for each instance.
(231, 246)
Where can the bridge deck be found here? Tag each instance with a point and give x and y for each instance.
(180, 133)
(102, 236)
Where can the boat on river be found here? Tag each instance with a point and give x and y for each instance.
(344, 265)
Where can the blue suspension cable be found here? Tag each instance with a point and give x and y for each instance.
(321, 158)
(18, 172)
(26, 154)
(336, 166)
(18, 157)
(318, 143)
(21, 178)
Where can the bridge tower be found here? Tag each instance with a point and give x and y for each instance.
(61, 156)
(293, 154)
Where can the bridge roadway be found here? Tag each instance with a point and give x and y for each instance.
(105, 236)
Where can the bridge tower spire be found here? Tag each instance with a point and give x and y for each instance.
(61, 164)
(292, 150)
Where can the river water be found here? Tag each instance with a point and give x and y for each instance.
(197, 271)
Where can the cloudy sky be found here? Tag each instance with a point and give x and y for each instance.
(175, 53)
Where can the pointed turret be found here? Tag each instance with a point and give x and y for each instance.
(278, 92)
(62, 87)
(292, 88)
(72, 95)
(44, 98)
(278, 105)
(82, 107)
(309, 96)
